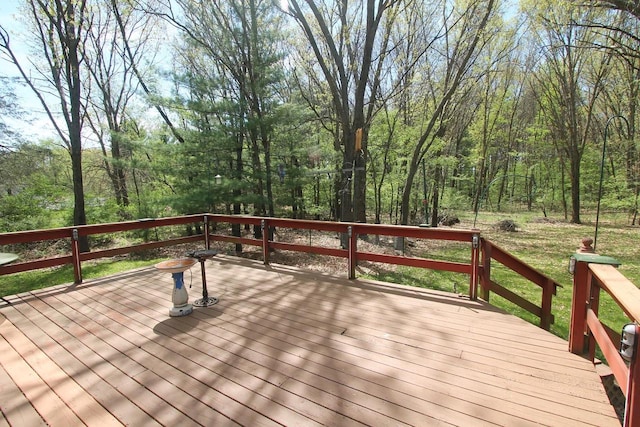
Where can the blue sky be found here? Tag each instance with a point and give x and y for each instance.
(35, 125)
(10, 21)
(32, 125)
(7, 8)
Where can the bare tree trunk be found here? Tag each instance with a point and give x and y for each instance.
(458, 69)
(60, 31)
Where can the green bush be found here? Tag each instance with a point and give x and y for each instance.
(22, 212)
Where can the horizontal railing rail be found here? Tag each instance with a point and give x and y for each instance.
(73, 234)
(591, 276)
(549, 287)
(353, 231)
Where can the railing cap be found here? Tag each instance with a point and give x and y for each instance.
(593, 258)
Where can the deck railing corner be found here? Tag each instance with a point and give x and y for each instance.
(593, 273)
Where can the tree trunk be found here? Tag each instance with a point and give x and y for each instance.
(75, 125)
(575, 190)
(435, 205)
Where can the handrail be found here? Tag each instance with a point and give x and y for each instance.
(479, 272)
(353, 230)
(591, 275)
(73, 233)
(549, 286)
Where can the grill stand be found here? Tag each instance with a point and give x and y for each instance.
(202, 256)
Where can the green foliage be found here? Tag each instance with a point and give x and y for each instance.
(454, 200)
(32, 192)
(246, 93)
(21, 212)
(102, 210)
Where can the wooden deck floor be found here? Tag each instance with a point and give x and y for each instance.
(282, 347)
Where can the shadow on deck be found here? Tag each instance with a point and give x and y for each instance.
(282, 347)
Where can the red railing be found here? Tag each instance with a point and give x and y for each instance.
(548, 286)
(593, 273)
(590, 276)
(73, 234)
(209, 224)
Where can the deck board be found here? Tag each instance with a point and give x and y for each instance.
(16, 407)
(282, 347)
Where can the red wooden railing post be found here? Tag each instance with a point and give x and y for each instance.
(632, 405)
(75, 256)
(475, 267)
(579, 305)
(594, 306)
(265, 241)
(353, 249)
(581, 296)
(548, 290)
(485, 279)
(207, 242)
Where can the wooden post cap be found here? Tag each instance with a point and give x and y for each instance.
(585, 246)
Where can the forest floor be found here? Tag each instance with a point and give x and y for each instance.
(313, 262)
(320, 263)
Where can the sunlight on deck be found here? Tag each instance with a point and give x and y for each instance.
(282, 347)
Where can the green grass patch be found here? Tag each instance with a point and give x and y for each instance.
(38, 279)
(422, 278)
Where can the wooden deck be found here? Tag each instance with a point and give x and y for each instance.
(282, 347)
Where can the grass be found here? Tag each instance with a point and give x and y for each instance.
(544, 244)
(38, 279)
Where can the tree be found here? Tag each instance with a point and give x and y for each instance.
(464, 36)
(59, 28)
(617, 33)
(230, 70)
(349, 42)
(32, 183)
(631, 7)
(8, 109)
(570, 81)
(500, 120)
(116, 29)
